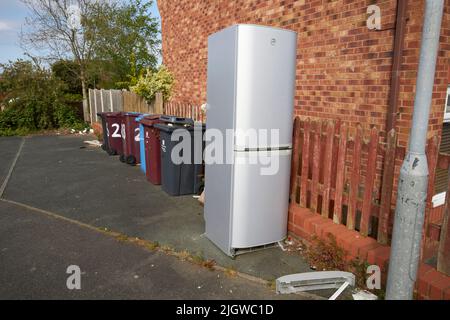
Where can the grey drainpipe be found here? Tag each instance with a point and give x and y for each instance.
(400, 27)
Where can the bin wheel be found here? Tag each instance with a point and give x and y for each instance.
(131, 160)
(122, 158)
(112, 152)
(104, 146)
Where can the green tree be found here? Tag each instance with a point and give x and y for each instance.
(58, 28)
(109, 42)
(128, 40)
(68, 72)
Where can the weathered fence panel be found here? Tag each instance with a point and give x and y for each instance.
(350, 179)
(328, 161)
(443, 257)
(105, 101)
(91, 104)
(122, 100)
(185, 110)
(354, 181)
(340, 174)
(116, 100)
(369, 182)
(335, 174)
(135, 103)
(387, 187)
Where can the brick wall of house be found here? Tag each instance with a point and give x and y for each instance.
(343, 69)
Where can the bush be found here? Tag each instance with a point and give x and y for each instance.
(33, 99)
(152, 82)
(65, 116)
(8, 132)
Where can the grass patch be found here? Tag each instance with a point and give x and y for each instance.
(122, 238)
(209, 264)
(272, 284)
(231, 271)
(325, 254)
(183, 255)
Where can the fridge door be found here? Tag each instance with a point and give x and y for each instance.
(220, 116)
(266, 65)
(260, 202)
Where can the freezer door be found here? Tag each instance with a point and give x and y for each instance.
(260, 202)
(266, 64)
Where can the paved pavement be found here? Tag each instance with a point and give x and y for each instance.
(61, 175)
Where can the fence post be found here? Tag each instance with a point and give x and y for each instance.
(101, 99)
(432, 159)
(120, 100)
(387, 185)
(443, 260)
(327, 162)
(369, 182)
(305, 163)
(94, 113)
(295, 156)
(317, 135)
(340, 174)
(111, 100)
(90, 104)
(355, 176)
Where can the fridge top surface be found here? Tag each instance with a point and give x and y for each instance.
(256, 26)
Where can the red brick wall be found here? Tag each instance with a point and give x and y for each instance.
(430, 285)
(343, 69)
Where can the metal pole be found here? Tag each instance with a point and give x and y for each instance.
(413, 180)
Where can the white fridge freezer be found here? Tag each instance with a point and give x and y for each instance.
(250, 86)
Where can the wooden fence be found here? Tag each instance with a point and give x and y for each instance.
(186, 110)
(103, 101)
(349, 176)
(135, 103)
(122, 100)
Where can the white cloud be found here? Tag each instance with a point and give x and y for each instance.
(7, 25)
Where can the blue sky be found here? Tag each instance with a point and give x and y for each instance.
(12, 17)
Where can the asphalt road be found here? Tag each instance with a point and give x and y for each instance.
(36, 250)
(46, 197)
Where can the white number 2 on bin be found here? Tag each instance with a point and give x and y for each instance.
(116, 131)
(137, 137)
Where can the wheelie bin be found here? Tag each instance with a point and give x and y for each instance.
(152, 149)
(105, 144)
(113, 124)
(185, 177)
(141, 141)
(130, 138)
